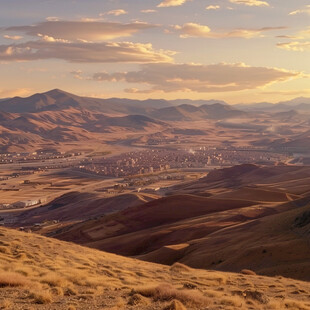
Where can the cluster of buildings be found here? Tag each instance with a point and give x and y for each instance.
(159, 160)
(28, 203)
(235, 156)
(23, 203)
(7, 158)
(143, 183)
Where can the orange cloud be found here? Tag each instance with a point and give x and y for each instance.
(83, 30)
(201, 31)
(305, 10)
(84, 52)
(222, 77)
(15, 38)
(296, 46)
(168, 3)
(115, 12)
(213, 7)
(250, 2)
(148, 11)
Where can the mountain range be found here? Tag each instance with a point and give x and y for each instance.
(298, 104)
(57, 118)
(60, 117)
(59, 99)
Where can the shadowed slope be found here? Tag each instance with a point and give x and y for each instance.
(75, 206)
(272, 245)
(152, 214)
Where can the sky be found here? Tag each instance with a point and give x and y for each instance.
(240, 51)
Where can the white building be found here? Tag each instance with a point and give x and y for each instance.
(26, 203)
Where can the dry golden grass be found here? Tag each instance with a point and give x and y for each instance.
(175, 305)
(137, 299)
(6, 304)
(55, 280)
(4, 250)
(296, 305)
(11, 279)
(166, 292)
(41, 297)
(64, 276)
(58, 291)
(235, 301)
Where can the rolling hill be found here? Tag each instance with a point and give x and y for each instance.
(186, 112)
(32, 130)
(219, 213)
(78, 206)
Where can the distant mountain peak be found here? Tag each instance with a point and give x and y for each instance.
(57, 92)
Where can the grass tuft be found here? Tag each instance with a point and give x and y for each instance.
(12, 279)
(166, 292)
(41, 297)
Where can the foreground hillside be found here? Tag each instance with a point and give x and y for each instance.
(41, 273)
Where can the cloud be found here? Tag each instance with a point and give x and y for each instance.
(84, 30)
(250, 2)
(148, 11)
(201, 31)
(193, 30)
(299, 36)
(213, 7)
(168, 3)
(115, 12)
(15, 38)
(286, 37)
(305, 10)
(52, 18)
(84, 52)
(77, 74)
(296, 46)
(51, 39)
(171, 77)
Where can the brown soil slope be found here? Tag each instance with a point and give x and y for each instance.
(273, 245)
(152, 214)
(290, 179)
